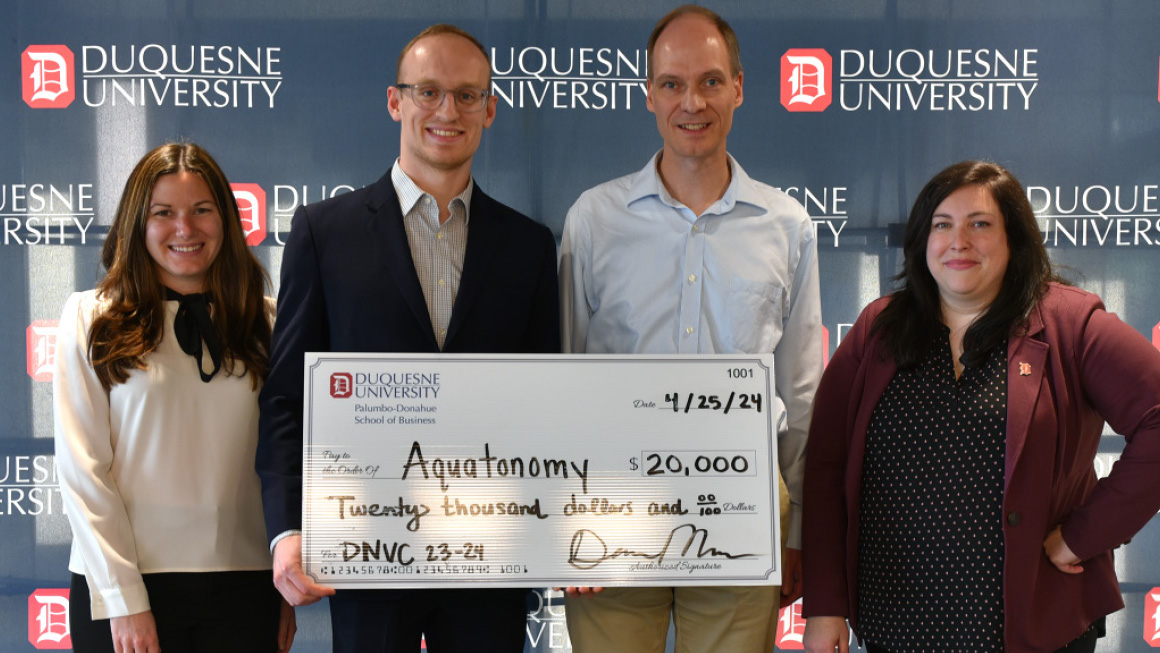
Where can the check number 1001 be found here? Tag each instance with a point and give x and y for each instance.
(698, 463)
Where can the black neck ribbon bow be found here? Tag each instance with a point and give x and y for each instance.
(192, 325)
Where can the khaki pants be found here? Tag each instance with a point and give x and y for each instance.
(636, 619)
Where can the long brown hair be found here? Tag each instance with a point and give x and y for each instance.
(133, 322)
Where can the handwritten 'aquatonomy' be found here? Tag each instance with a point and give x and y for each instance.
(489, 466)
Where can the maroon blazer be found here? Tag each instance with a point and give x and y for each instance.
(1073, 367)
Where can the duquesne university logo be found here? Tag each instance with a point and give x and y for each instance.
(252, 210)
(806, 79)
(909, 79)
(40, 349)
(1152, 617)
(48, 78)
(48, 619)
(568, 78)
(1102, 214)
(825, 346)
(791, 628)
(151, 74)
(341, 385)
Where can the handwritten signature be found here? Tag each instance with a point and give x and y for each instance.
(587, 549)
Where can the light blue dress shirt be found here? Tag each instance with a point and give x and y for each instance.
(640, 273)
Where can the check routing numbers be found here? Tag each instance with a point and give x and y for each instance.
(643, 482)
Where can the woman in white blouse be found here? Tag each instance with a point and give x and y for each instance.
(155, 396)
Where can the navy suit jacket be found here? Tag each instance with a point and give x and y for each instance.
(349, 285)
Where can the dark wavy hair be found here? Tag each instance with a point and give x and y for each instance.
(133, 322)
(913, 315)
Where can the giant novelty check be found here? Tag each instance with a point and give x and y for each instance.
(532, 471)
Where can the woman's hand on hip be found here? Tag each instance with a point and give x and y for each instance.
(1059, 553)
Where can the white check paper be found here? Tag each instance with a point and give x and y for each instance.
(540, 470)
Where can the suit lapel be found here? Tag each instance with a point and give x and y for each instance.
(387, 230)
(1026, 365)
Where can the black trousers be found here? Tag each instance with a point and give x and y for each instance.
(222, 612)
(1085, 643)
(453, 620)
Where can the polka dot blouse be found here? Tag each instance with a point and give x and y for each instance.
(930, 547)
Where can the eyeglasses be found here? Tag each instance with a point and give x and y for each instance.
(468, 99)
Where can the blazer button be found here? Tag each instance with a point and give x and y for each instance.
(1014, 518)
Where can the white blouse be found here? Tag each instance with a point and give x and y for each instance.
(158, 474)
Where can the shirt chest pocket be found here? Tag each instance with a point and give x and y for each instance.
(754, 315)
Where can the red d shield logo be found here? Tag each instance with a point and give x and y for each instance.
(48, 619)
(341, 385)
(252, 211)
(47, 77)
(806, 79)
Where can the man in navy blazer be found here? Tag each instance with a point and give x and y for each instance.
(420, 261)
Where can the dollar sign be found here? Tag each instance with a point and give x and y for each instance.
(632, 464)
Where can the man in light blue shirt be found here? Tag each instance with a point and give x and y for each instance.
(690, 255)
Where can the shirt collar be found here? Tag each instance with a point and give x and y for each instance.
(410, 194)
(647, 183)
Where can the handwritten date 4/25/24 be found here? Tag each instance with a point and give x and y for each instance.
(693, 401)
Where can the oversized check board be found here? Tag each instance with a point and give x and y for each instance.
(539, 470)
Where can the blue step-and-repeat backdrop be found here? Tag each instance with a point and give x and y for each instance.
(290, 96)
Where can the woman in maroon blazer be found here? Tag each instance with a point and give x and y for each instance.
(950, 497)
